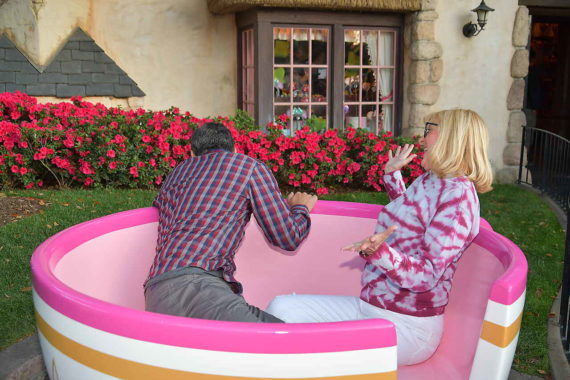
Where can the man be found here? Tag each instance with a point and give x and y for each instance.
(204, 206)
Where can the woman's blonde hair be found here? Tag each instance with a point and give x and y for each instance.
(461, 147)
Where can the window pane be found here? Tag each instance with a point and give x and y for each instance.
(386, 121)
(318, 119)
(370, 117)
(299, 119)
(369, 85)
(281, 45)
(319, 84)
(387, 48)
(301, 46)
(283, 110)
(370, 48)
(352, 47)
(351, 116)
(281, 84)
(319, 44)
(351, 85)
(386, 85)
(301, 85)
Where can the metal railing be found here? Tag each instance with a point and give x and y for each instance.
(545, 165)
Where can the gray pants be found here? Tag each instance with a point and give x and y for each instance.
(202, 295)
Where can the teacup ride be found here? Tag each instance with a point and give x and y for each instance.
(89, 301)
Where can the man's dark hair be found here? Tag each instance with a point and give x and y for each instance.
(211, 136)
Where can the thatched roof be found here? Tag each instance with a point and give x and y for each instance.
(231, 6)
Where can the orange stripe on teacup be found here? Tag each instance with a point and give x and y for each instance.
(127, 369)
(499, 335)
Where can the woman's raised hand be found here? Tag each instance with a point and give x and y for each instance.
(400, 158)
(371, 244)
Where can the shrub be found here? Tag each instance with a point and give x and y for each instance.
(78, 143)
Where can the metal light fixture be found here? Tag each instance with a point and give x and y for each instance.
(470, 29)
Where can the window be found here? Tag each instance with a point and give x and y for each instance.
(322, 69)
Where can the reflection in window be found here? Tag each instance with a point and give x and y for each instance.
(300, 76)
(369, 65)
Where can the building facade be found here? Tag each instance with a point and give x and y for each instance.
(375, 64)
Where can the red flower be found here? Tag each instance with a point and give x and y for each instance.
(111, 153)
(23, 170)
(112, 165)
(134, 171)
(14, 169)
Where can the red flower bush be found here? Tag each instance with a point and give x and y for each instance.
(90, 145)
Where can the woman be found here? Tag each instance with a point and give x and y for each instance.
(420, 236)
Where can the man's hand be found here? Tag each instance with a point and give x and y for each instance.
(370, 244)
(401, 158)
(304, 199)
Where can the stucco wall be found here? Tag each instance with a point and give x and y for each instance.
(176, 50)
(477, 70)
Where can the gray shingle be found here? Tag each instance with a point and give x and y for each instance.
(27, 78)
(44, 89)
(5, 42)
(79, 79)
(13, 87)
(123, 91)
(89, 46)
(80, 35)
(64, 55)
(54, 67)
(112, 68)
(92, 67)
(14, 55)
(27, 67)
(53, 78)
(73, 67)
(67, 91)
(2, 87)
(70, 45)
(105, 78)
(103, 58)
(2, 52)
(124, 79)
(100, 89)
(82, 55)
(11, 66)
(137, 91)
(8, 77)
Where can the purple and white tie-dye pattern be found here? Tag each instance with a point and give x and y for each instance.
(412, 271)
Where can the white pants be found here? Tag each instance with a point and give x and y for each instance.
(418, 337)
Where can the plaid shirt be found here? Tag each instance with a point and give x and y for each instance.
(204, 206)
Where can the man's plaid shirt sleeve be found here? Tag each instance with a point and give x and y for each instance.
(283, 226)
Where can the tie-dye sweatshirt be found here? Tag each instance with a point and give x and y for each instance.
(412, 271)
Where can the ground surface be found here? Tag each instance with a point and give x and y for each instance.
(14, 208)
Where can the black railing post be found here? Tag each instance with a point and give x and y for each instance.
(522, 154)
(565, 293)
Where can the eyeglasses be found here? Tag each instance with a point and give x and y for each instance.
(427, 128)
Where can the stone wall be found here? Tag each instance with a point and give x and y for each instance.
(517, 119)
(425, 65)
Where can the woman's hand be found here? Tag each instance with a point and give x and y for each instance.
(370, 244)
(401, 158)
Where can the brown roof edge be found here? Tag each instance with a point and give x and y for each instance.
(232, 6)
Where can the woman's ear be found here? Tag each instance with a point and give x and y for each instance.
(192, 153)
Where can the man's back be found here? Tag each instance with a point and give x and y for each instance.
(205, 204)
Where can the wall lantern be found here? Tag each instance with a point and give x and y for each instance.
(470, 29)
